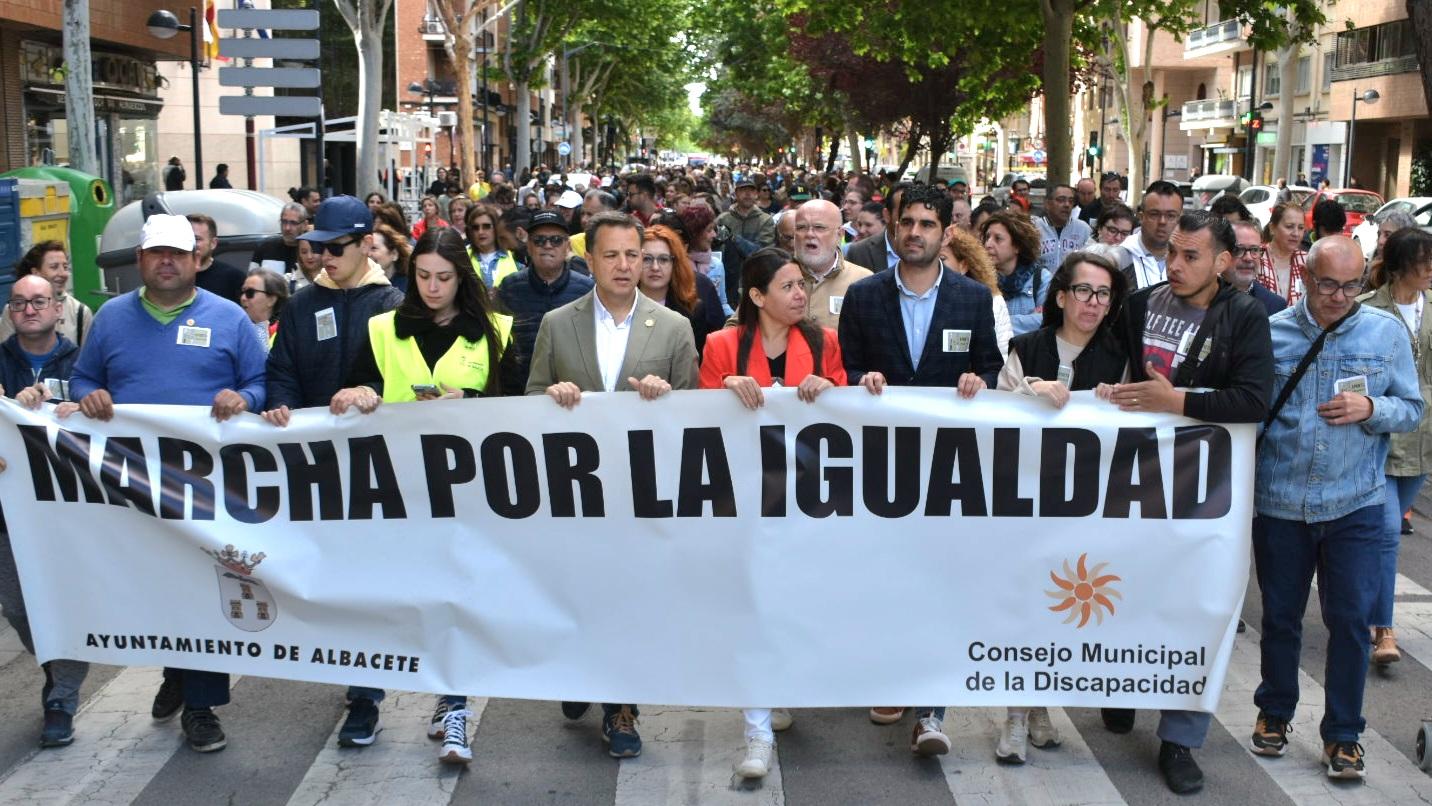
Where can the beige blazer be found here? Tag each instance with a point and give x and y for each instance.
(660, 344)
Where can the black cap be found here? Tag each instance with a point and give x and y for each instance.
(546, 218)
(745, 182)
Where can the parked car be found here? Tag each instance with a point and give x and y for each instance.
(1261, 199)
(1356, 203)
(1209, 187)
(244, 218)
(1185, 189)
(1365, 233)
(945, 174)
(1037, 185)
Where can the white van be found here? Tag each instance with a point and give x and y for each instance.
(946, 173)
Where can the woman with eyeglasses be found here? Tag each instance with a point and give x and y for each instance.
(1402, 276)
(667, 277)
(489, 259)
(431, 218)
(1114, 225)
(1282, 266)
(774, 343)
(49, 260)
(390, 251)
(262, 299)
(1074, 350)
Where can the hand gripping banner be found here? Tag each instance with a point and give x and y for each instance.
(910, 548)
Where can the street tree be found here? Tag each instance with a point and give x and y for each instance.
(79, 87)
(368, 20)
(536, 31)
(1419, 13)
(460, 26)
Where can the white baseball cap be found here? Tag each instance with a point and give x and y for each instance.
(173, 231)
(570, 199)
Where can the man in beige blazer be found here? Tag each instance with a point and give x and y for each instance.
(613, 339)
(827, 273)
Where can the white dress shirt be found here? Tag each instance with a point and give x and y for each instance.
(611, 343)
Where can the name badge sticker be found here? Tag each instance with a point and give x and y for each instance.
(957, 341)
(1066, 375)
(1357, 384)
(193, 336)
(1186, 343)
(1207, 348)
(835, 305)
(327, 324)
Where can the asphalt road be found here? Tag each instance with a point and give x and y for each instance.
(282, 745)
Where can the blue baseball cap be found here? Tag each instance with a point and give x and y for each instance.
(339, 217)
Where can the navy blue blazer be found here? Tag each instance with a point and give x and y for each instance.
(1271, 302)
(872, 333)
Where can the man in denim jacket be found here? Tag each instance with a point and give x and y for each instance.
(1319, 495)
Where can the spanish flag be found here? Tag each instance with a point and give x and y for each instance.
(211, 31)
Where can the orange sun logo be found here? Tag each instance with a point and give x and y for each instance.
(1084, 593)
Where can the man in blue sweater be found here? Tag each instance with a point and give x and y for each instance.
(170, 342)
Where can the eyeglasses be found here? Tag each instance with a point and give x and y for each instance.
(1256, 250)
(480, 226)
(664, 261)
(1122, 233)
(547, 240)
(250, 292)
(818, 229)
(1085, 292)
(337, 248)
(38, 303)
(1329, 287)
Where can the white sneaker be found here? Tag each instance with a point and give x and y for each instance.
(758, 759)
(1012, 735)
(928, 738)
(1042, 733)
(435, 725)
(781, 719)
(455, 749)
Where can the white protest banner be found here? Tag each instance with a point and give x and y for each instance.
(912, 548)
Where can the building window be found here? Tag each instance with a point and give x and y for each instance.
(1327, 71)
(1375, 50)
(1245, 81)
(1305, 75)
(1272, 82)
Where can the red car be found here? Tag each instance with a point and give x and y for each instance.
(1357, 203)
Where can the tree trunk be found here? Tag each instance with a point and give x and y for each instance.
(834, 151)
(940, 137)
(524, 126)
(1058, 38)
(1133, 105)
(1419, 12)
(1288, 79)
(79, 88)
(857, 152)
(912, 146)
(367, 19)
(459, 43)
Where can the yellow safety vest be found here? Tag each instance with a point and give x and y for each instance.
(505, 265)
(401, 363)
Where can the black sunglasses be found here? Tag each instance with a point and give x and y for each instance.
(336, 248)
(250, 292)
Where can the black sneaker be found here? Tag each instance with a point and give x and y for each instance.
(1242, 626)
(59, 729)
(361, 726)
(1407, 526)
(1344, 760)
(619, 732)
(575, 710)
(1180, 771)
(1270, 735)
(1117, 720)
(201, 729)
(169, 700)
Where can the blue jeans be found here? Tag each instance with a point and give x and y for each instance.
(63, 678)
(201, 689)
(1344, 555)
(1401, 492)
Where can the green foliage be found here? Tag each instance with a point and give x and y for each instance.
(1422, 172)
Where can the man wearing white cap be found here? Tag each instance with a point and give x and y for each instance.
(170, 342)
(567, 205)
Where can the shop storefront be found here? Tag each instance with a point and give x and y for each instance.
(127, 104)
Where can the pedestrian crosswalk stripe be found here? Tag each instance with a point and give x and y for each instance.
(119, 750)
(401, 766)
(1066, 774)
(689, 756)
(1405, 586)
(1391, 778)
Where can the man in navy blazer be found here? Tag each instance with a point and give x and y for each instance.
(920, 325)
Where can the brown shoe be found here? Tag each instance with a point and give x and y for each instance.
(887, 714)
(1384, 647)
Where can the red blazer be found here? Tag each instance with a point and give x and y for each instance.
(719, 359)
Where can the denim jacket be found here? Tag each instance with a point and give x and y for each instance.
(1314, 472)
(1025, 308)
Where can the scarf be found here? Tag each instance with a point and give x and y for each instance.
(1011, 286)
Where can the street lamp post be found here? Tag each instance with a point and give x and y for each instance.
(1163, 136)
(163, 24)
(1367, 97)
(429, 88)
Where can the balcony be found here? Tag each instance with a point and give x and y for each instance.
(1384, 67)
(432, 30)
(1214, 40)
(1214, 113)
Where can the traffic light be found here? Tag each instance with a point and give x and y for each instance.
(1093, 151)
(1255, 124)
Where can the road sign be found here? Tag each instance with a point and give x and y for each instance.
(297, 106)
(264, 18)
(291, 77)
(564, 148)
(288, 49)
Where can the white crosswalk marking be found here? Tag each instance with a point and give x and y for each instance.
(10, 645)
(1391, 778)
(121, 751)
(401, 766)
(1068, 774)
(689, 756)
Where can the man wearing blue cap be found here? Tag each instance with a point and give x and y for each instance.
(319, 333)
(170, 342)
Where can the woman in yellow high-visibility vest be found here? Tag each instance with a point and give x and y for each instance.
(444, 341)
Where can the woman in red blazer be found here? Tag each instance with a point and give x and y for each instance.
(775, 342)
